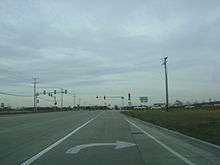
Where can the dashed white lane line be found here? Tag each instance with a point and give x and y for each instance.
(35, 157)
(187, 161)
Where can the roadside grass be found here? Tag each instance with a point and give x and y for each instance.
(202, 124)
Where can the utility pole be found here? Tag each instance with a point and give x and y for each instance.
(35, 94)
(61, 101)
(104, 101)
(74, 100)
(97, 97)
(129, 99)
(166, 82)
(55, 102)
(79, 101)
(122, 99)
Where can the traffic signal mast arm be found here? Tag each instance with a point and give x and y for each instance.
(111, 97)
(115, 97)
(54, 92)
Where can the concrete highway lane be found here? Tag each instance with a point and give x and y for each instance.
(22, 136)
(91, 138)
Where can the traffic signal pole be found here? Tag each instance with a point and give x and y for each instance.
(61, 92)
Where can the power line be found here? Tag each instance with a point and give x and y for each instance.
(48, 100)
(16, 95)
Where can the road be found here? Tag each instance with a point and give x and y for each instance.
(98, 137)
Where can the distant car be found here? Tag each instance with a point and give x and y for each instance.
(139, 108)
(189, 106)
(156, 107)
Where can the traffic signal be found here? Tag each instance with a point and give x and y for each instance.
(55, 91)
(44, 92)
(49, 94)
(97, 97)
(65, 91)
(2, 105)
(104, 97)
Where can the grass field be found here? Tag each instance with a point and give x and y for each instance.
(201, 124)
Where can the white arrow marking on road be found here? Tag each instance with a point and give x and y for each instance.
(118, 145)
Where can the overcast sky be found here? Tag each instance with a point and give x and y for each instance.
(112, 47)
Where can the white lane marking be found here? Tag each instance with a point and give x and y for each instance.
(118, 145)
(180, 134)
(35, 157)
(187, 161)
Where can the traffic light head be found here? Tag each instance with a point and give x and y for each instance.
(44, 92)
(104, 97)
(55, 91)
(129, 96)
(65, 91)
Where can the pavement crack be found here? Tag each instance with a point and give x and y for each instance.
(137, 146)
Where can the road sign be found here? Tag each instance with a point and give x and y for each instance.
(118, 145)
(143, 99)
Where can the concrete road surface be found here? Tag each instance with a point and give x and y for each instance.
(99, 137)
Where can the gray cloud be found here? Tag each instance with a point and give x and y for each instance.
(112, 46)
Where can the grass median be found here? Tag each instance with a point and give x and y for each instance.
(202, 124)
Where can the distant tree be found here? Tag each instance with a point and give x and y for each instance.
(188, 103)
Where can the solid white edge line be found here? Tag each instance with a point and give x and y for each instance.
(181, 134)
(187, 161)
(35, 157)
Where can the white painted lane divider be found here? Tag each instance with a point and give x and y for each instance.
(118, 145)
(187, 161)
(35, 157)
